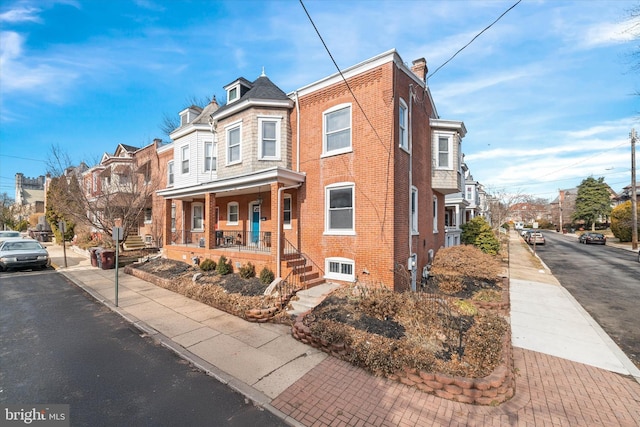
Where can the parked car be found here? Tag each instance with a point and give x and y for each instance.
(8, 234)
(593, 238)
(534, 237)
(23, 253)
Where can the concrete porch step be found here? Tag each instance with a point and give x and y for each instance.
(310, 298)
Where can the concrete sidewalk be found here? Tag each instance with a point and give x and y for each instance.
(570, 372)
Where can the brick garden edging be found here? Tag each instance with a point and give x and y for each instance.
(495, 388)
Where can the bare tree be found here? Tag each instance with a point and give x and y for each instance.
(171, 122)
(500, 205)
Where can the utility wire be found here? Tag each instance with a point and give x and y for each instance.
(473, 39)
(343, 77)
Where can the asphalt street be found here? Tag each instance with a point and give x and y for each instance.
(59, 346)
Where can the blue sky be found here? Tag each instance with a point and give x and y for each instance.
(548, 94)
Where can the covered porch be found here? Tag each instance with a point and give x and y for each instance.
(245, 218)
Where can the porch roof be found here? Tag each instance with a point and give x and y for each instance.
(237, 184)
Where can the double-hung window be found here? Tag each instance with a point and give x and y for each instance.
(232, 213)
(185, 159)
(403, 123)
(173, 217)
(340, 209)
(234, 144)
(414, 210)
(337, 130)
(269, 144)
(445, 152)
(170, 175)
(287, 211)
(209, 157)
(435, 214)
(197, 210)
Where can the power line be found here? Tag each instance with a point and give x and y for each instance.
(473, 39)
(22, 158)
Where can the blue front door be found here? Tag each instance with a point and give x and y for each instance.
(255, 224)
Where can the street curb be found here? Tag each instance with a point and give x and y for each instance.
(255, 396)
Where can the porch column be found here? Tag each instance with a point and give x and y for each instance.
(167, 222)
(276, 217)
(210, 220)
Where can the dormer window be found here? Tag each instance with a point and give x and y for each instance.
(236, 89)
(189, 114)
(233, 94)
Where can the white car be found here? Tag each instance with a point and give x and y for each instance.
(8, 234)
(23, 253)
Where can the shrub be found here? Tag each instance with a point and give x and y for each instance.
(466, 260)
(483, 349)
(224, 267)
(478, 232)
(247, 271)
(207, 265)
(266, 276)
(621, 222)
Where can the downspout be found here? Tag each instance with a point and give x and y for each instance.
(410, 137)
(279, 225)
(297, 132)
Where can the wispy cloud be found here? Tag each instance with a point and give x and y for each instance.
(21, 14)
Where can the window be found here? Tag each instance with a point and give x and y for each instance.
(232, 94)
(170, 173)
(469, 192)
(232, 213)
(435, 214)
(444, 152)
(148, 216)
(269, 144)
(337, 130)
(197, 216)
(340, 269)
(340, 209)
(287, 211)
(185, 159)
(95, 181)
(414, 210)
(209, 157)
(403, 120)
(173, 217)
(233, 145)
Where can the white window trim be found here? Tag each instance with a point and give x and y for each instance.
(403, 138)
(278, 122)
(340, 276)
(214, 159)
(436, 150)
(237, 88)
(435, 214)
(348, 149)
(284, 224)
(171, 173)
(185, 150)
(327, 190)
(173, 217)
(229, 205)
(230, 127)
(150, 220)
(193, 218)
(414, 214)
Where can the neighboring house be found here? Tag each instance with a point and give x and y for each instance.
(626, 194)
(30, 195)
(121, 191)
(347, 179)
(455, 214)
(562, 208)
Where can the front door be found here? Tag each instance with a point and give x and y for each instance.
(255, 224)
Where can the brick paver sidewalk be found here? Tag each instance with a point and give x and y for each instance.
(550, 391)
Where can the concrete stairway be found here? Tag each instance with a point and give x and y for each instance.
(311, 297)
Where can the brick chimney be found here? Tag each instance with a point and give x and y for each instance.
(420, 69)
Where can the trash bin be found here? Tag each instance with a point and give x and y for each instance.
(94, 256)
(108, 258)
